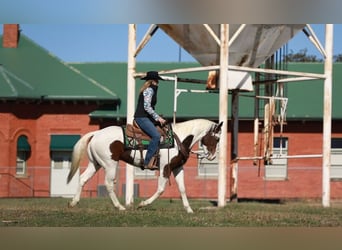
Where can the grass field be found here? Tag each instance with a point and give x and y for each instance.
(99, 212)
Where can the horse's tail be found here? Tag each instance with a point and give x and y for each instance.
(77, 153)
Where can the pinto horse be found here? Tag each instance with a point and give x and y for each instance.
(103, 151)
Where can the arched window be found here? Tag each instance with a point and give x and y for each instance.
(23, 153)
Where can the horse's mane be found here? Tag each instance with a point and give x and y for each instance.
(193, 122)
(194, 127)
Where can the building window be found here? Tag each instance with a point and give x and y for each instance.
(23, 153)
(61, 147)
(207, 168)
(277, 169)
(336, 158)
(21, 163)
(61, 159)
(141, 174)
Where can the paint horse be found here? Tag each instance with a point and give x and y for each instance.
(105, 148)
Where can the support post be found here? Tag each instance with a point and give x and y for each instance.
(327, 115)
(131, 63)
(256, 120)
(234, 144)
(223, 114)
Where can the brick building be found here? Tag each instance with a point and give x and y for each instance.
(47, 104)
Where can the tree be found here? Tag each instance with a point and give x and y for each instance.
(338, 58)
(301, 56)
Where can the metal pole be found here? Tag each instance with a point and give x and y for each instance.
(234, 143)
(327, 115)
(239, 68)
(130, 106)
(175, 97)
(223, 115)
(256, 120)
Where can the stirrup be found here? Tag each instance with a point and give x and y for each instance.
(152, 164)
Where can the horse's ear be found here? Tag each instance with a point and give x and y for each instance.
(218, 127)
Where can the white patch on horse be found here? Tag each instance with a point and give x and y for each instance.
(97, 145)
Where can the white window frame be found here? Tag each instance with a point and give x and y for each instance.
(144, 174)
(336, 159)
(279, 167)
(205, 167)
(21, 163)
(61, 159)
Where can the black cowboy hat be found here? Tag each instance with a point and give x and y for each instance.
(152, 75)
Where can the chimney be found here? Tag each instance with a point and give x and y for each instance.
(10, 36)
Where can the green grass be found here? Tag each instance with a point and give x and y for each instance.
(99, 212)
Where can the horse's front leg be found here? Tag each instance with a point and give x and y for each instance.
(179, 177)
(160, 190)
(110, 174)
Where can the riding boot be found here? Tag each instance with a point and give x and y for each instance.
(152, 164)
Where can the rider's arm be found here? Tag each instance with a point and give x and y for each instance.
(148, 93)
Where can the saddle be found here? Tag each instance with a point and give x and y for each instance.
(136, 138)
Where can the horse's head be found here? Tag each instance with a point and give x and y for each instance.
(210, 141)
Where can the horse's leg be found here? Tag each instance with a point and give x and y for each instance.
(85, 176)
(110, 174)
(179, 177)
(160, 190)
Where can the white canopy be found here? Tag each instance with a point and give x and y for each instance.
(250, 44)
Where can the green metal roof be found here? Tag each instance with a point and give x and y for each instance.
(31, 72)
(115, 75)
(305, 98)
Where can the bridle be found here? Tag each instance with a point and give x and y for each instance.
(210, 141)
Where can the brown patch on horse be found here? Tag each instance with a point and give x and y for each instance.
(116, 148)
(118, 151)
(211, 141)
(180, 159)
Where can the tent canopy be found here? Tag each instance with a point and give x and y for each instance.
(250, 44)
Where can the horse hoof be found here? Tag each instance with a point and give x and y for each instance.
(141, 204)
(72, 204)
(189, 211)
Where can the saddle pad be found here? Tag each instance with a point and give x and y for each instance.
(132, 143)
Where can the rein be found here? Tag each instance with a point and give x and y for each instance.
(181, 147)
(200, 153)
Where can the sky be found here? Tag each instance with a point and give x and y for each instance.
(108, 42)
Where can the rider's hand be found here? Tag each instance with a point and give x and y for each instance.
(161, 120)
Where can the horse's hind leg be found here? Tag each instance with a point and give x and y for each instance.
(110, 173)
(85, 176)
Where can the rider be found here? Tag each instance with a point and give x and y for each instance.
(146, 116)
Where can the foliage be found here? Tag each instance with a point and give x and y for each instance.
(338, 58)
(99, 212)
(301, 56)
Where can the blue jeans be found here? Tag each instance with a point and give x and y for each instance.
(149, 128)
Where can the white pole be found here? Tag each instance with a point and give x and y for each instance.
(327, 115)
(239, 68)
(175, 97)
(130, 106)
(223, 114)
